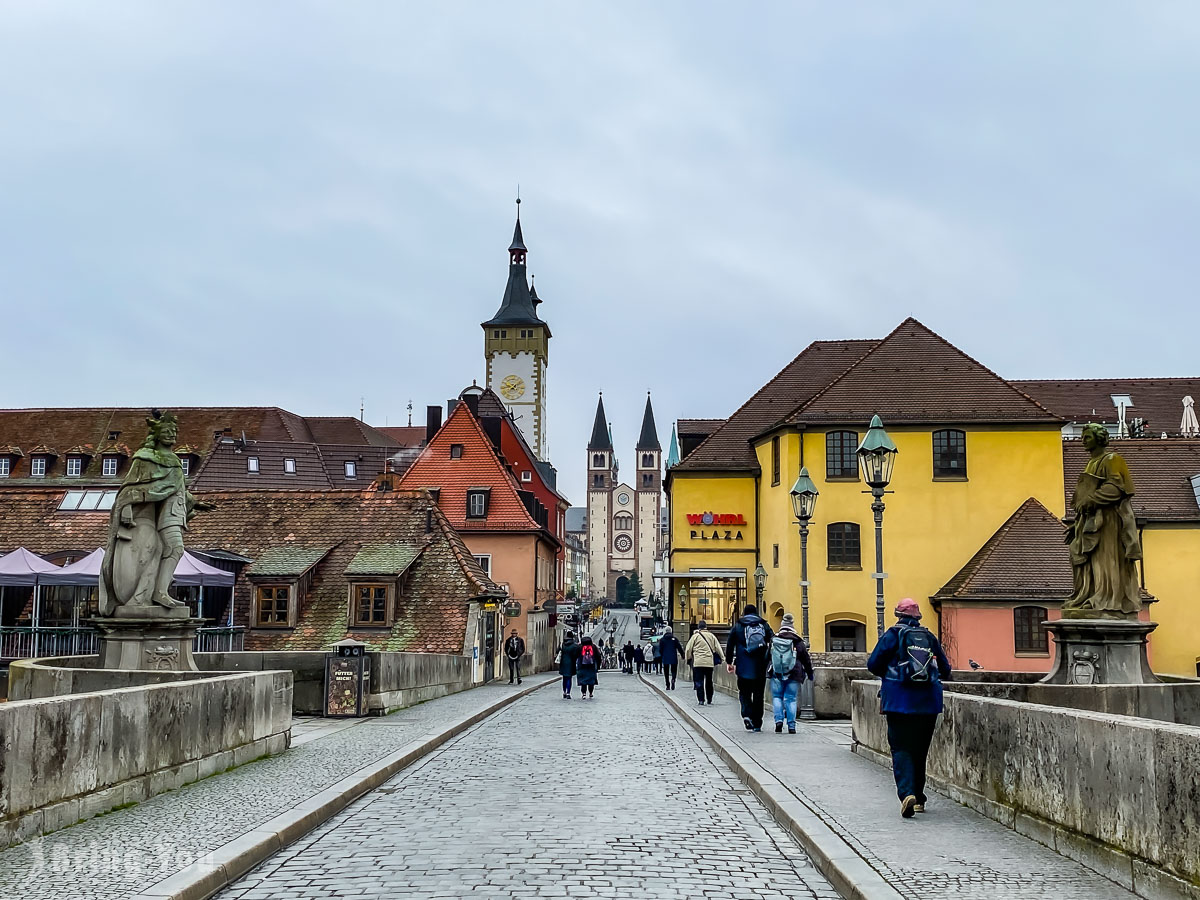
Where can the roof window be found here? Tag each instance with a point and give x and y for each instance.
(252, 464)
(1119, 400)
(289, 466)
(456, 451)
(88, 501)
(351, 469)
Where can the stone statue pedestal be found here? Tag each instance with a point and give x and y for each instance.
(1100, 651)
(148, 639)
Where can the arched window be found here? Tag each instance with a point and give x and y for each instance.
(623, 522)
(597, 460)
(647, 460)
(842, 636)
(841, 454)
(949, 453)
(1029, 630)
(844, 548)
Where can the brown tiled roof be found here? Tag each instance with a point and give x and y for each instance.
(728, 447)
(1157, 400)
(1161, 471)
(698, 426)
(1025, 559)
(404, 435)
(914, 376)
(348, 430)
(226, 467)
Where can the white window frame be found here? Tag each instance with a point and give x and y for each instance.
(74, 466)
(485, 563)
(5, 466)
(475, 498)
(289, 466)
(252, 465)
(110, 464)
(527, 476)
(351, 469)
(186, 462)
(37, 467)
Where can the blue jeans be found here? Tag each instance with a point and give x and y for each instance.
(783, 698)
(909, 736)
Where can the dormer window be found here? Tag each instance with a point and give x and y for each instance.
(184, 461)
(110, 464)
(477, 503)
(74, 466)
(37, 467)
(456, 451)
(5, 466)
(252, 464)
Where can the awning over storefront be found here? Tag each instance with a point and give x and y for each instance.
(85, 572)
(24, 568)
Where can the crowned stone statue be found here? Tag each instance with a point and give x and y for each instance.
(145, 531)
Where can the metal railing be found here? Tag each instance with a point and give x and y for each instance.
(27, 642)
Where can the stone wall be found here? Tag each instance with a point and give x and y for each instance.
(397, 679)
(1118, 793)
(1178, 702)
(68, 757)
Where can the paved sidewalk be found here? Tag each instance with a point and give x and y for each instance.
(121, 853)
(950, 851)
(608, 798)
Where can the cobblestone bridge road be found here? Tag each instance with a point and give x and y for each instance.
(551, 798)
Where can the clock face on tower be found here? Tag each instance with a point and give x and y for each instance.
(512, 387)
(623, 498)
(623, 543)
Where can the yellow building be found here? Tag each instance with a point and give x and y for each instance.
(973, 449)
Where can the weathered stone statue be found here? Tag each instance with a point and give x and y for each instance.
(1103, 536)
(145, 531)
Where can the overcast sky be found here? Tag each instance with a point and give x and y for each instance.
(302, 204)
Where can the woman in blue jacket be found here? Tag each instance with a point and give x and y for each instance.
(910, 660)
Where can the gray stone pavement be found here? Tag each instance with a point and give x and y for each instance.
(950, 851)
(610, 798)
(121, 853)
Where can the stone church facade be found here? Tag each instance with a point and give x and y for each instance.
(623, 516)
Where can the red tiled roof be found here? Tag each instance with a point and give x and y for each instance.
(914, 376)
(1161, 471)
(1025, 559)
(1157, 400)
(728, 447)
(479, 466)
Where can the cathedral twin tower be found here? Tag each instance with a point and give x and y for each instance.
(623, 520)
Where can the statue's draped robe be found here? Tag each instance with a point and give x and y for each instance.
(1104, 539)
(151, 492)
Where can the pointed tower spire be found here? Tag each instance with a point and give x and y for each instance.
(518, 306)
(518, 243)
(649, 436)
(600, 436)
(673, 453)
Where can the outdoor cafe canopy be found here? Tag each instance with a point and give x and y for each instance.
(24, 568)
(85, 572)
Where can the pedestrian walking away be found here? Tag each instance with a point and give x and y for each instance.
(639, 657)
(587, 667)
(514, 649)
(669, 649)
(789, 665)
(628, 650)
(910, 660)
(747, 651)
(566, 663)
(656, 654)
(703, 654)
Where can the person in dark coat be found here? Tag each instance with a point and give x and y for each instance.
(669, 649)
(748, 652)
(566, 663)
(587, 667)
(785, 686)
(656, 654)
(514, 649)
(911, 707)
(639, 657)
(628, 651)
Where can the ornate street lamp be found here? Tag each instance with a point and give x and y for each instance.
(760, 584)
(876, 456)
(683, 598)
(804, 503)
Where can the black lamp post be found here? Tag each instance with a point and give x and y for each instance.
(876, 456)
(683, 598)
(760, 585)
(804, 503)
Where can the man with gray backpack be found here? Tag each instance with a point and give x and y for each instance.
(748, 654)
(910, 660)
(790, 665)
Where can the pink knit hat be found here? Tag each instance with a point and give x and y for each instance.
(908, 607)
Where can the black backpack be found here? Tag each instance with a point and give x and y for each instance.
(916, 658)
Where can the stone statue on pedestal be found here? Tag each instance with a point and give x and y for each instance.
(1103, 536)
(141, 625)
(145, 531)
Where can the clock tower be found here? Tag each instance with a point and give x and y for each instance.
(516, 348)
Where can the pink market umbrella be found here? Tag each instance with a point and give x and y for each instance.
(192, 573)
(83, 572)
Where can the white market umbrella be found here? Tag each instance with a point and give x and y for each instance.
(1190, 426)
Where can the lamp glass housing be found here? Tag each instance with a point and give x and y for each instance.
(877, 455)
(760, 577)
(804, 497)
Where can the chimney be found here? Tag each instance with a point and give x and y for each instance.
(472, 401)
(451, 405)
(433, 421)
(491, 427)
